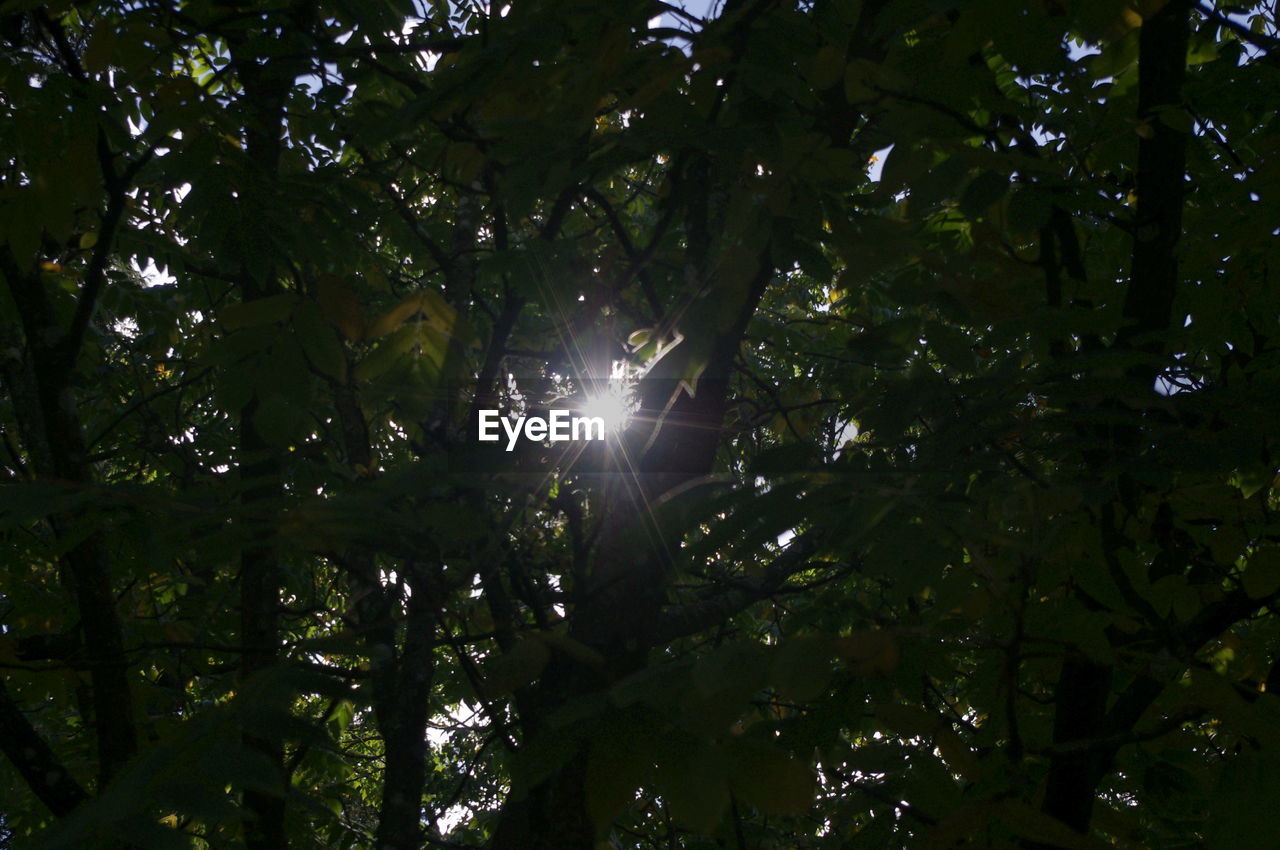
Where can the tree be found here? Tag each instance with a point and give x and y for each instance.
(943, 518)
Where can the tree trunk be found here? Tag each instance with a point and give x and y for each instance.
(1084, 687)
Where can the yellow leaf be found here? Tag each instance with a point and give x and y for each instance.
(395, 317)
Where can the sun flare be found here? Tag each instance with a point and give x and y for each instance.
(612, 405)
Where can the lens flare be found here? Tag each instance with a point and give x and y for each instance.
(612, 405)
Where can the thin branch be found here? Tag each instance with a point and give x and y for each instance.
(636, 266)
(695, 617)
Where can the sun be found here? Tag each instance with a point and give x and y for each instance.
(612, 405)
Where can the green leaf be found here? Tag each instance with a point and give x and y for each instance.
(638, 339)
(1243, 800)
(695, 788)
(1262, 575)
(257, 313)
(519, 666)
(280, 422)
(620, 760)
(1116, 58)
(319, 342)
(982, 192)
(768, 778)
(869, 652)
(101, 48)
(386, 354)
(340, 305)
(827, 67)
(427, 302)
(1029, 208)
(1034, 825)
(802, 668)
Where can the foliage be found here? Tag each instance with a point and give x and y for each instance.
(945, 518)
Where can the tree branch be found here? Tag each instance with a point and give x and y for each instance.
(697, 616)
(32, 757)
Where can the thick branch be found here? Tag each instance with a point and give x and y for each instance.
(32, 757)
(1162, 154)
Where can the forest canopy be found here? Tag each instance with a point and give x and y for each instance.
(937, 508)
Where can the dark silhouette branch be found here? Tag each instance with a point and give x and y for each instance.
(35, 761)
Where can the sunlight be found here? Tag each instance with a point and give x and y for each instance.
(612, 405)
